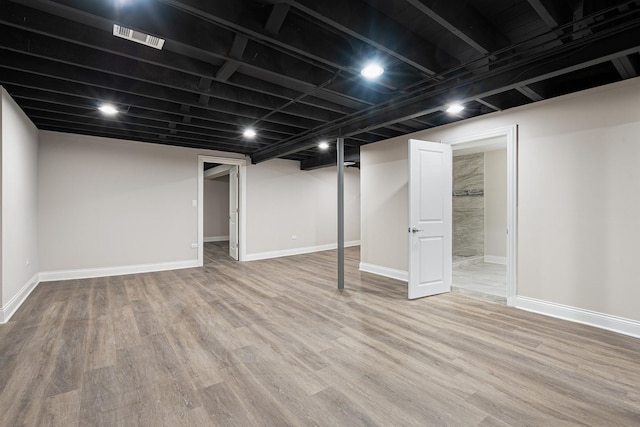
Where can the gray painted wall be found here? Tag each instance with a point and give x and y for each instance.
(216, 208)
(19, 189)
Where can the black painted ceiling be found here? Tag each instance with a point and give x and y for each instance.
(291, 69)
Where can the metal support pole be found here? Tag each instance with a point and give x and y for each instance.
(340, 150)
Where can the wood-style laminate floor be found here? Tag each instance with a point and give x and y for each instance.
(274, 343)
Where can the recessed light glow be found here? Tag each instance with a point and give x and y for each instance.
(249, 133)
(372, 71)
(455, 108)
(108, 109)
(323, 145)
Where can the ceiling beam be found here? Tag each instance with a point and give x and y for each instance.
(464, 22)
(488, 104)
(23, 85)
(121, 133)
(231, 66)
(35, 87)
(98, 70)
(554, 13)
(470, 27)
(602, 48)
(329, 159)
(529, 93)
(210, 44)
(236, 17)
(276, 18)
(122, 124)
(355, 18)
(101, 63)
(330, 56)
(89, 113)
(625, 67)
(62, 113)
(30, 20)
(227, 70)
(224, 73)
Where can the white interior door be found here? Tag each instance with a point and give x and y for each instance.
(233, 212)
(430, 218)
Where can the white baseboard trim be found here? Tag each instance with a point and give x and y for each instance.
(215, 239)
(579, 315)
(392, 273)
(14, 303)
(297, 251)
(491, 259)
(49, 276)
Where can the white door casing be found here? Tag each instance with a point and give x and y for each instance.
(477, 139)
(241, 163)
(430, 218)
(233, 212)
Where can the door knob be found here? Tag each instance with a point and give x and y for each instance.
(414, 230)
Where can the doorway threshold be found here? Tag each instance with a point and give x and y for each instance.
(479, 295)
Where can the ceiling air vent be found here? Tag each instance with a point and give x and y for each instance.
(137, 36)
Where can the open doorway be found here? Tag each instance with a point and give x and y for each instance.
(217, 214)
(479, 242)
(221, 201)
(484, 213)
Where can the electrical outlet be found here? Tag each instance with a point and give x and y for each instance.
(194, 246)
(294, 237)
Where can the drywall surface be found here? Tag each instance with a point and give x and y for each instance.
(216, 208)
(495, 203)
(577, 210)
(106, 203)
(384, 186)
(19, 151)
(283, 201)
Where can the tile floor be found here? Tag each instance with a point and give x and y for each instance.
(480, 279)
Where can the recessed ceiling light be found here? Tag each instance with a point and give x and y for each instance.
(249, 133)
(323, 145)
(372, 71)
(455, 108)
(108, 109)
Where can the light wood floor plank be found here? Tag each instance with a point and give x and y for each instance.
(273, 342)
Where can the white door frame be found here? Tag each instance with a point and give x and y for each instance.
(478, 140)
(242, 199)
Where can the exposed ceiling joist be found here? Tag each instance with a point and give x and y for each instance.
(276, 18)
(290, 68)
(212, 46)
(329, 159)
(465, 23)
(421, 104)
(553, 13)
(529, 93)
(70, 93)
(355, 18)
(233, 16)
(488, 104)
(625, 67)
